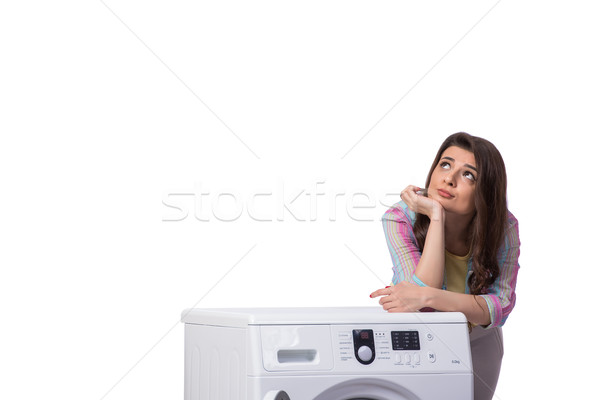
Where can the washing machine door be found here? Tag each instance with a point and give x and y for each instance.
(366, 389)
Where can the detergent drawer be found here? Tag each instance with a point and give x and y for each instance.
(296, 347)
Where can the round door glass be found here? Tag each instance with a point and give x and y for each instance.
(366, 389)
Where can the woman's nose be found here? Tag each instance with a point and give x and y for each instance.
(449, 179)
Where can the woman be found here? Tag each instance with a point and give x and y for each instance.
(455, 247)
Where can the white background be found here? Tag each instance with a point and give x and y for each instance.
(116, 117)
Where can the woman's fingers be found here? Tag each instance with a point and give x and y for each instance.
(403, 297)
(385, 299)
(411, 198)
(381, 292)
(421, 203)
(396, 309)
(393, 305)
(409, 195)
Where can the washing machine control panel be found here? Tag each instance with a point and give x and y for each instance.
(406, 348)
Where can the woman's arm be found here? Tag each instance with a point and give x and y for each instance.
(408, 297)
(474, 307)
(430, 269)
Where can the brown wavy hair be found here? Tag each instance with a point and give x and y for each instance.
(486, 231)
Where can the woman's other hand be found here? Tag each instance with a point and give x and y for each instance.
(421, 204)
(403, 297)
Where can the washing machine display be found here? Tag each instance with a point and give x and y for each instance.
(405, 340)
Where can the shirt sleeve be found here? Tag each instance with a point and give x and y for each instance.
(402, 244)
(501, 296)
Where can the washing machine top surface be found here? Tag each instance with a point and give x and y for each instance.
(243, 317)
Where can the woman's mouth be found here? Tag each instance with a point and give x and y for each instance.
(444, 194)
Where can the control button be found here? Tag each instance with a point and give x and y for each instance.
(431, 356)
(365, 353)
(416, 359)
(407, 358)
(429, 337)
(398, 358)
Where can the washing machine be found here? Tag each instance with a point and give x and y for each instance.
(345, 353)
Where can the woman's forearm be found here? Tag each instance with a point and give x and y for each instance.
(430, 269)
(474, 307)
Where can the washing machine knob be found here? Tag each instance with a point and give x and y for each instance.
(276, 395)
(365, 353)
(364, 345)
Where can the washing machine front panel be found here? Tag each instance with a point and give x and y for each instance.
(326, 355)
(372, 349)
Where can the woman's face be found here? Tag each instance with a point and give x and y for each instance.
(453, 181)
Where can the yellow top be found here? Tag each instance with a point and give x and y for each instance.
(456, 272)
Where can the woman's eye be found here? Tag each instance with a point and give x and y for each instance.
(469, 176)
(444, 165)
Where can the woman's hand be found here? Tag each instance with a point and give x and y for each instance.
(421, 204)
(403, 297)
